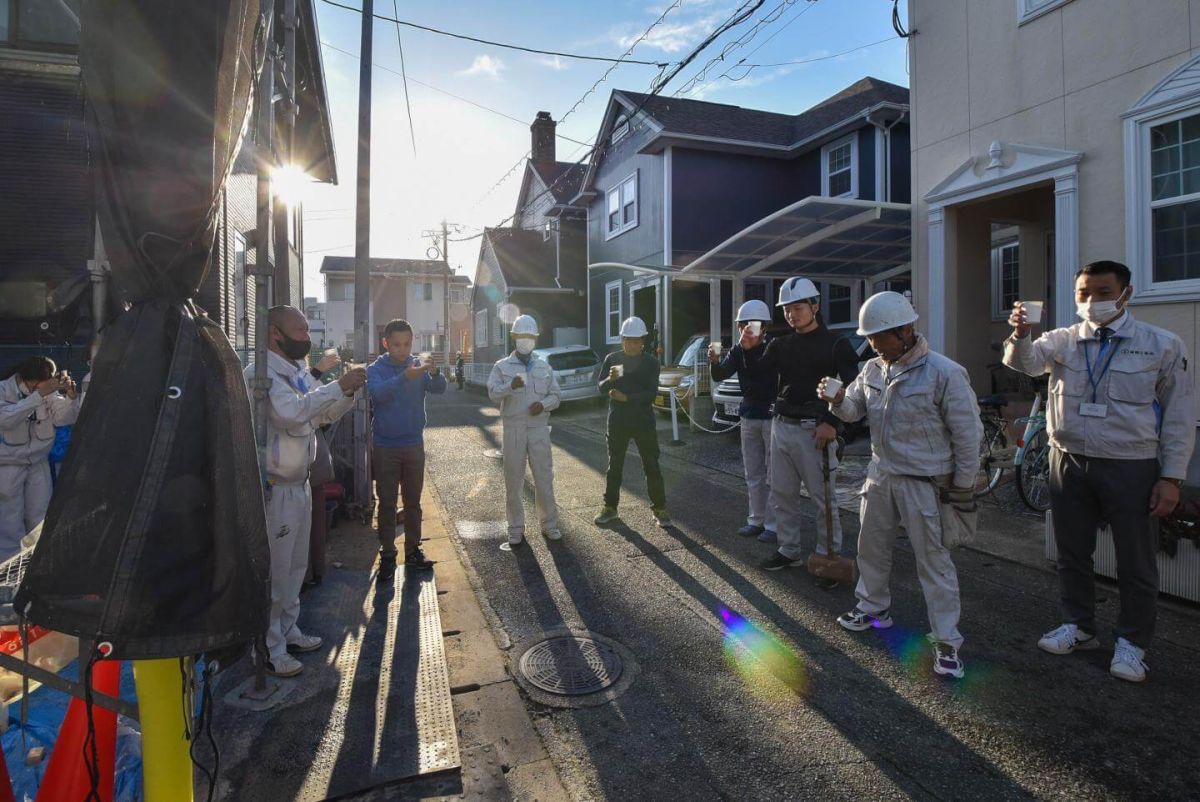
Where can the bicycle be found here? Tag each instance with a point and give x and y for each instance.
(995, 452)
(1032, 460)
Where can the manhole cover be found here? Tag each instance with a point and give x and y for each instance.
(571, 665)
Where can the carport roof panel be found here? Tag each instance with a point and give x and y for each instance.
(818, 237)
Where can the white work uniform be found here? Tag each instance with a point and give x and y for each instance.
(27, 422)
(924, 426)
(526, 436)
(796, 462)
(756, 463)
(297, 405)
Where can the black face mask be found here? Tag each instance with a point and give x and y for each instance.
(294, 349)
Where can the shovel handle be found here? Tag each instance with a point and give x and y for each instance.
(826, 470)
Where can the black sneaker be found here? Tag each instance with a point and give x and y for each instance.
(857, 621)
(417, 559)
(777, 562)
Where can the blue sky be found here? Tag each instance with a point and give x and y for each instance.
(462, 151)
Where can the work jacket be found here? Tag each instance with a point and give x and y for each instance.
(923, 416)
(27, 422)
(540, 386)
(1141, 382)
(297, 405)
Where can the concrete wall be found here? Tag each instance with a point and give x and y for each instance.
(1061, 81)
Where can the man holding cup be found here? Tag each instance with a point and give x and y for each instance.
(755, 413)
(1120, 417)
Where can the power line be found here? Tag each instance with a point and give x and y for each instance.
(746, 38)
(404, 75)
(814, 58)
(765, 42)
(659, 64)
(439, 90)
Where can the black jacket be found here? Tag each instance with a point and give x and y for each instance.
(800, 361)
(640, 384)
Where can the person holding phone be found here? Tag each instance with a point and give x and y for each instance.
(34, 399)
(758, 393)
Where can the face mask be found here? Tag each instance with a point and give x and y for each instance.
(294, 349)
(1099, 312)
(525, 346)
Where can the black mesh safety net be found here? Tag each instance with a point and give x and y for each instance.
(155, 540)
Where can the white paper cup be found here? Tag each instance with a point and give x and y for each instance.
(620, 369)
(755, 327)
(832, 386)
(1033, 311)
(715, 348)
(330, 352)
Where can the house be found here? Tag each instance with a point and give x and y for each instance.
(694, 207)
(538, 265)
(412, 289)
(1047, 134)
(49, 243)
(314, 310)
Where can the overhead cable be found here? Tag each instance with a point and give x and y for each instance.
(404, 75)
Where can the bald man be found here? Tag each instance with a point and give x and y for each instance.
(297, 405)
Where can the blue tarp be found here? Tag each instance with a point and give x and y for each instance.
(47, 709)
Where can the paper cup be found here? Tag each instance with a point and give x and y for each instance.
(1033, 311)
(620, 369)
(330, 352)
(715, 348)
(755, 327)
(832, 386)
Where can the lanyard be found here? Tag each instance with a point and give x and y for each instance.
(1096, 381)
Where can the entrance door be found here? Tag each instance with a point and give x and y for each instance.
(644, 303)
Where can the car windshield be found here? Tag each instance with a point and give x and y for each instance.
(573, 360)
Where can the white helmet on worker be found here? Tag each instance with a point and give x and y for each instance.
(525, 325)
(633, 327)
(885, 311)
(796, 289)
(754, 310)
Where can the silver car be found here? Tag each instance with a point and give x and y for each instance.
(576, 367)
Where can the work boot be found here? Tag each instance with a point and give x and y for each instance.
(768, 536)
(751, 530)
(417, 559)
(284, 666)
(607, 515)
(299, 643)
(1128, 662)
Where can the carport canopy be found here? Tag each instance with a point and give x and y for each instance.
(818, 238)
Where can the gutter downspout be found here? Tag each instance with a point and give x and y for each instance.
(886, 129)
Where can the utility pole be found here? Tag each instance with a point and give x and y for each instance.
(446, 293)
(362, 212)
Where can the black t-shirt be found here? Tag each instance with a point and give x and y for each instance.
(640, 384)
(801, 361)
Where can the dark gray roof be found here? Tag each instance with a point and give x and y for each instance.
(526, 259)
(390, 267)
(718, 120)
(562, 178)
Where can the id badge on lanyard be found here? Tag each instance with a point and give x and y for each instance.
(1094, 409)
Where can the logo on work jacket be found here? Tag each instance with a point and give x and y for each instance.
(1133, 352)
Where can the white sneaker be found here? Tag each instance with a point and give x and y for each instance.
(284, 666)
(1127, 662)
(516, 538)
(299, 642)
(1066, 639)
(553, 534)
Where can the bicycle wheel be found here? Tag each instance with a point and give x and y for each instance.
(994, 439)
(1033, 475)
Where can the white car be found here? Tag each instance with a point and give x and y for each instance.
(576, 367)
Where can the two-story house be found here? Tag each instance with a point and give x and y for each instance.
(538, 265)
(421, 291)
(694, 207)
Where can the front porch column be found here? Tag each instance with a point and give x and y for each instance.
(935, 315)
(1066, 246)
(664, 329)
(739, 297)
(714, 310)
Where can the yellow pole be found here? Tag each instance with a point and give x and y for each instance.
(166, 762)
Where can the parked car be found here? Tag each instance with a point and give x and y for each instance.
(681, 375)
(576, 367)
(727, 396)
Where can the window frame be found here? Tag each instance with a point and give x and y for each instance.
(622, 202)
(481, 329)
(609, 311)
(852, 141)
(621, 130)
(1000, 310)
(15, 41)
(1029, 10)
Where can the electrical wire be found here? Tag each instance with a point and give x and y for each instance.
(821, 58)
(404, 75)
(764, 22)
(439, 90)
(659, 64)
(740, 62)
(896, 25)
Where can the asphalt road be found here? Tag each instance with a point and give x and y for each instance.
(747, 689)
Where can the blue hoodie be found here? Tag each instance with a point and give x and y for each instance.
(399, 402)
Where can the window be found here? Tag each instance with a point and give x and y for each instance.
(1175, 199)
(839, 168)
(1032, 9)
(40, 22)
(839, 305)
(423, 291)
(339, 290)
(547, 231)
(620, 130)
(240, 312)
(481, 329)
(1006, 279)
(458, 294)
(612, 311)
(622, 207)
(497, 330)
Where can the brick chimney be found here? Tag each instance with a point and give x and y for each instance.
(543, 138)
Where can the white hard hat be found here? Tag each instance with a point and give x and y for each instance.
(633, 327)
(754, 310)
(797, 289)
(525, 325)
(884, 311)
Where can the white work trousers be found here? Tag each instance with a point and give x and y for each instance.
(289, 525)
(24, 497)
(523, 443)
(892, 502)
(756, 462)
(796, 462)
